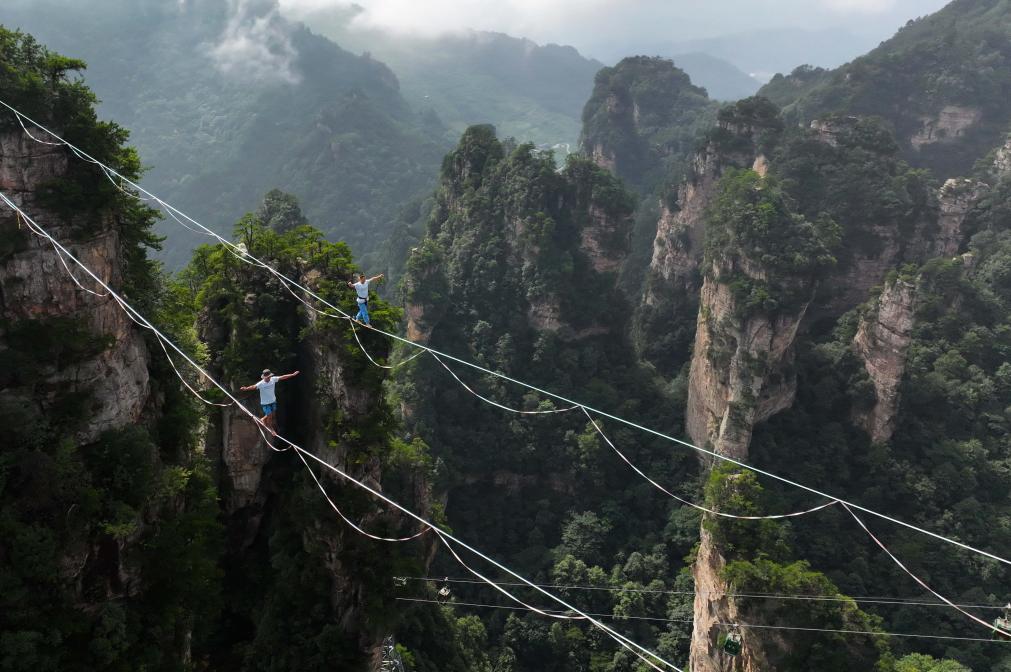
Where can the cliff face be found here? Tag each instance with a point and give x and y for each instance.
(673, 281)
(99, 477)
(881, 341)
(35, 286)
(740, 372)
(1002, 160)
(335, 409)
(712, 608)
(956, 199)
(91, 355)
(753, 299)
(940, 82)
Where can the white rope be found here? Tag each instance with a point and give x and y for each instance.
(760, 596)
(59, 255)
(361, 346)
(18, 116)
(658, 619)
(549, 613)
(351, 321)
(497, 586)
(347, 520)
(121, 187)
(443, 535)
(690, 503)
(534, 388)
(495, 403)
(988, 626)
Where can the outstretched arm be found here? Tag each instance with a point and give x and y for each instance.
(248, 388)
(287, 376)
(375, 277)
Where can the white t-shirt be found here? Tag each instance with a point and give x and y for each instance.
(363, 291)
(266, 388)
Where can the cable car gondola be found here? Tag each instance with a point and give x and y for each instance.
(1002, 625)
(732, 643)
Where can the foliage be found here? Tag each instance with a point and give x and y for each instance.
(944, 467)
(505, 236)
(647, 115)
(917, 662)
(108, 549)
(325, 124)
(958, 59)
(760, 248)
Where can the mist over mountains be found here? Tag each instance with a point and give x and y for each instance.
(793, 310)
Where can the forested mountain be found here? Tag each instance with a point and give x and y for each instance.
(531, 92)
(528, 91)
(110, 535)
(140, 530)
(228, 100)
(942, 84)
(805, 286)
(791, 289)
(518, 273)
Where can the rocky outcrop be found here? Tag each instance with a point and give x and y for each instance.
(955, 199)
(827, 129)
(531, 232)
(244, 455)
(680, 230)
(628, 120)
(951, 123)
(673, 281)
(754, 297)
(603, 158)
(713, 609)
(35, 285)
(1002, 160)
(741, 371)
(741, 375)
(604, 239)
(881, 342)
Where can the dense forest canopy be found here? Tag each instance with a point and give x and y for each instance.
(942, 83)
(836, 313)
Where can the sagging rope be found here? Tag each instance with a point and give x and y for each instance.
(640, 651)
(534, 388)
(689, 502)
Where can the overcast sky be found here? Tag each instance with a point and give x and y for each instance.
(603, 27)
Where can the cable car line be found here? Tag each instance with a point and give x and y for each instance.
(630, 423)
(638, 650)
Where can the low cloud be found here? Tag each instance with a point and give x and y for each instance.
(256, 43)
(860, 6)
(614, 27)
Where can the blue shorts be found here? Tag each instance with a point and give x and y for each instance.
(268, 408)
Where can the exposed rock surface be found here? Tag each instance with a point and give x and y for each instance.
(713, 609)
(673, 282)
(950, 124)
(881, 342)
(1002, 161)
(955, 199)
(35, 285)
(740, 372)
